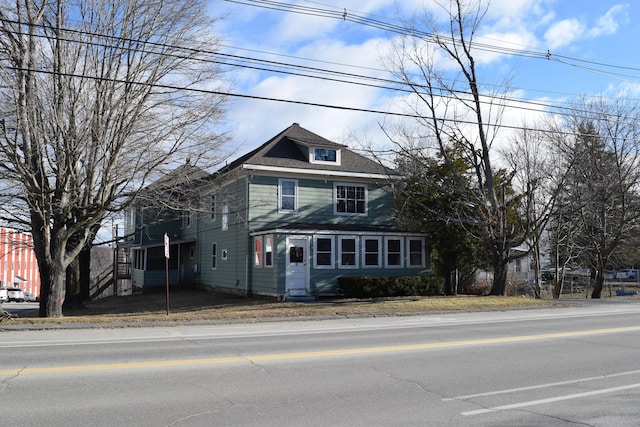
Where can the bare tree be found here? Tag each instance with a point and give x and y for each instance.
(96, 99)
(531, 154)
(602, 151)
(454, 111)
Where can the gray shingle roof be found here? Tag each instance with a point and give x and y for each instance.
(290, 149)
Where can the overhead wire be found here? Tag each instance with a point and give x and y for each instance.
(427, 36)
(281, 67)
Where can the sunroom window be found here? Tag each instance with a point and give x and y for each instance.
(372, 252)
(323, 247)
(394, 252)
(348, 249)
(415, 246)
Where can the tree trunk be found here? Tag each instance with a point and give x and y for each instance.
(598, 284)
(557, 288)
(447, 264)
(52, 304)
(85, 272)
(73, 298)
(499, 286)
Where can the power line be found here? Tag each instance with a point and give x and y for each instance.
(400, 29)
(264, 67)
(282, 68)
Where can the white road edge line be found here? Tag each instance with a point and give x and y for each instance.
(550, 400)
(539, 386)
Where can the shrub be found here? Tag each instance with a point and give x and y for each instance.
(480, 288)
(386, 286)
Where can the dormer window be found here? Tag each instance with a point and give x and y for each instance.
(324, 155)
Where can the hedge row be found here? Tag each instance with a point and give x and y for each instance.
(376, 287)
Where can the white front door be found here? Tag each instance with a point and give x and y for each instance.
(297, 283)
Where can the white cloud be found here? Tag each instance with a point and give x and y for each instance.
(563, 33)
(608, 23)
(522, 24)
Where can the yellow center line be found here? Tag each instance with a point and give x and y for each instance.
(309, 354)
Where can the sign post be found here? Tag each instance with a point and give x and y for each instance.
(166, 258)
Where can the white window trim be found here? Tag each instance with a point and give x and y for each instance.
(423, 250)
(312, 156)
(364, 251)
(350, 184)
(386, 252)
(355, 252)
(315, 255)
(295, 196)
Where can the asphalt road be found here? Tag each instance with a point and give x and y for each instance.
(550, 367)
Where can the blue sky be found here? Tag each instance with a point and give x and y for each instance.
(601, 35)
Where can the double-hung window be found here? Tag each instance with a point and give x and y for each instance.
(257, 252)
(263, 251)
(350, 199)
(225, 217)
(287, 195)
(268, 251)
(323, 247)
(415, 248)
(394, 252)
(348, 252)
(372, 252)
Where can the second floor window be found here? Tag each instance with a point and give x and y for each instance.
(225, 217)
(288, 195)
(350, 199)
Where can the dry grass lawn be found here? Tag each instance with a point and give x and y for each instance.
(188, 306)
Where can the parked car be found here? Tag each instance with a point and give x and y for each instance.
(29, 297)
(15, 294)
(4, 296)
(627, 274)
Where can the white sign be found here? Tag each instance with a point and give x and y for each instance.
(166, 246)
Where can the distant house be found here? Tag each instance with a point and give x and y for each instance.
(285, 220)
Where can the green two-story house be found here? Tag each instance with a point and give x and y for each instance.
(285, 220)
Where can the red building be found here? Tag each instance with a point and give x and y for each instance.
(18, 265)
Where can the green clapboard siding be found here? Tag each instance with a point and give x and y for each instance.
(315, 204)
(231, 273)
